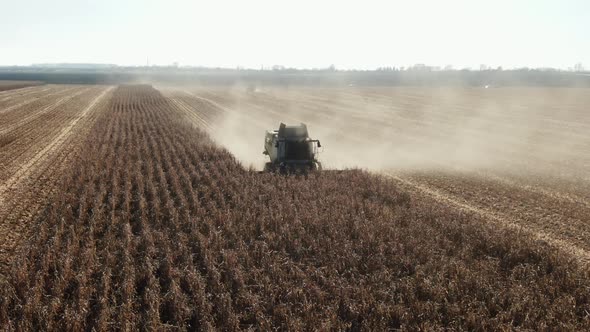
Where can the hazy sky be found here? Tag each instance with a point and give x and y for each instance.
(302, 33)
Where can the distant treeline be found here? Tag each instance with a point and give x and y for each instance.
(413, 77)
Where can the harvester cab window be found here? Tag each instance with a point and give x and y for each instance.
(297, 150)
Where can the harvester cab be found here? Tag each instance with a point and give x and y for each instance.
(291, 148)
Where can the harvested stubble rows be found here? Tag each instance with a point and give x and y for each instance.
(159, 228)
(37, 141)
(12, 85)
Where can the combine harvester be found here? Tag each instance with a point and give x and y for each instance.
(291, 149)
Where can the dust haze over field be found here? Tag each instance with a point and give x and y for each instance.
(516, 156)
(507, 129)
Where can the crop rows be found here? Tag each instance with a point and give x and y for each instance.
(28, 128)
(13, 85)
(159, 228)
(469, 146)
(36, 142)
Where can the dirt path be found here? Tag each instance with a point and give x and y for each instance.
(23, 194)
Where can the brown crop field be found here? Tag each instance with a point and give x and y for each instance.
(11, 85)
(126, 208)
(518, 156)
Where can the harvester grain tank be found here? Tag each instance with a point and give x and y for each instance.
(291, 148)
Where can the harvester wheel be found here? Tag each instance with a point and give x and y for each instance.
(317, 166)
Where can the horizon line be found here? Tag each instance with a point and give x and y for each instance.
(417, 66)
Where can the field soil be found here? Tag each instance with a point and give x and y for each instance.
(37, 140)
(11, 85)
(134, 208)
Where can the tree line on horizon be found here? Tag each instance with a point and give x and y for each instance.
(417, 75)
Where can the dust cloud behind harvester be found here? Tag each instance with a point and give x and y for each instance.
(537, 130)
